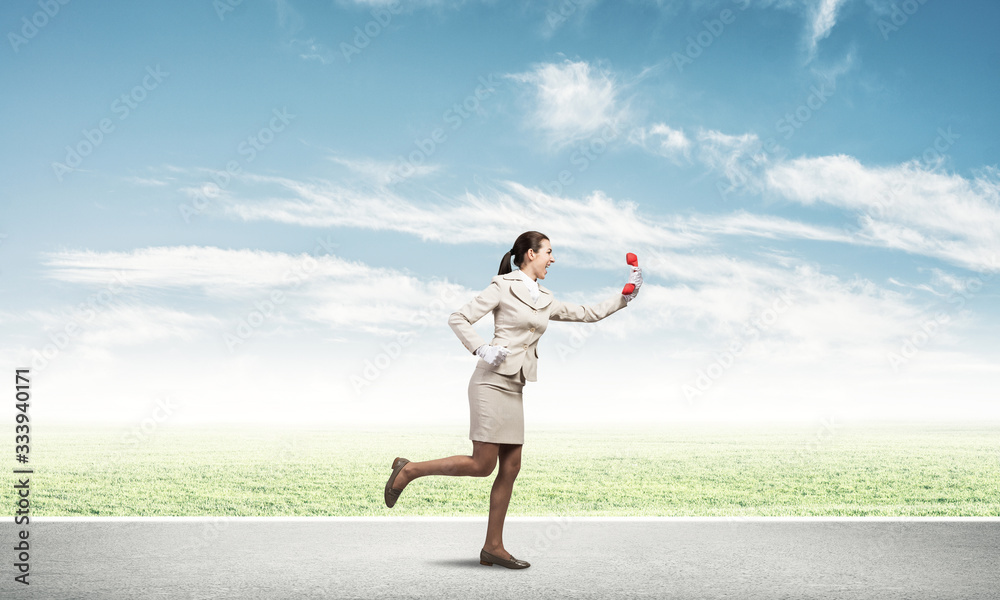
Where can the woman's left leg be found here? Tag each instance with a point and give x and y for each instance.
(503, 487)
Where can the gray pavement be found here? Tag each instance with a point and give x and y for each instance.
(415, 557)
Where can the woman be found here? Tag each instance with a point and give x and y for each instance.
(521, 310)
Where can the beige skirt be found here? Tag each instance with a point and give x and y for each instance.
(496, 412)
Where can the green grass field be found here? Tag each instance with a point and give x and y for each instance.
(696, 470)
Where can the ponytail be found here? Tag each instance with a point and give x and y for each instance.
(528, 239)
(505, 264)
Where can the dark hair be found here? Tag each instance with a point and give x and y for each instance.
(528, 239)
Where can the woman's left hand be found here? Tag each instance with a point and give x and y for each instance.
(631, 289)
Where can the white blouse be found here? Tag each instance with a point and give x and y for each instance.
(532, 285)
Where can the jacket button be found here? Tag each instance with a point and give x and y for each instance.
(525, 346)
(532, 330)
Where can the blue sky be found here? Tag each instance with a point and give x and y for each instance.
(811, 187)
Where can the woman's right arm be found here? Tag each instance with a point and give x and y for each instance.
(462, 319)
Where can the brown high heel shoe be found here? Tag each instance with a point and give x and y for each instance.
(391, 495)
(485, 558)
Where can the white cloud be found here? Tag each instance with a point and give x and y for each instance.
(383, 173)
(400, 6)
(817, 317)
(216, 270)
(830, 337)
(291, 22)
(820, 15)
(828, 74)
(147, 181)
(672, 140)
(906, 207)
(131, 324)
(724, 290)
(500, 213)
(738, 157)
(696, 300)
(824, 17)
(765, 226)
(337, 293)
(587, 232)
(582, 225)
(572, 101)
(289, 19)
(913, 206)
(559, 12)
(206, 190)
(310, 49)
(712, 296)
(662, 139)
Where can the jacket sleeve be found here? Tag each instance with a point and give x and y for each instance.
(566, 311)
(462, 319)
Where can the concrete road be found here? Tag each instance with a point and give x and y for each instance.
(392, 557)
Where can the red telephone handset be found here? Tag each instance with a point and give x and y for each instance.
(632, 260)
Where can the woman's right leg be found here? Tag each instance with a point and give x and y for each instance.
(480, 464)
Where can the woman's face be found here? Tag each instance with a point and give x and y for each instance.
(536, 263)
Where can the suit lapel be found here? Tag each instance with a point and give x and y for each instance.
(520, 289)
(544, 298)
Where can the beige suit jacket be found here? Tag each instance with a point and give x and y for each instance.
(519, 322)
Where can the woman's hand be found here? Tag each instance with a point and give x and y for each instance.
(631, 289)
(492, 354)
